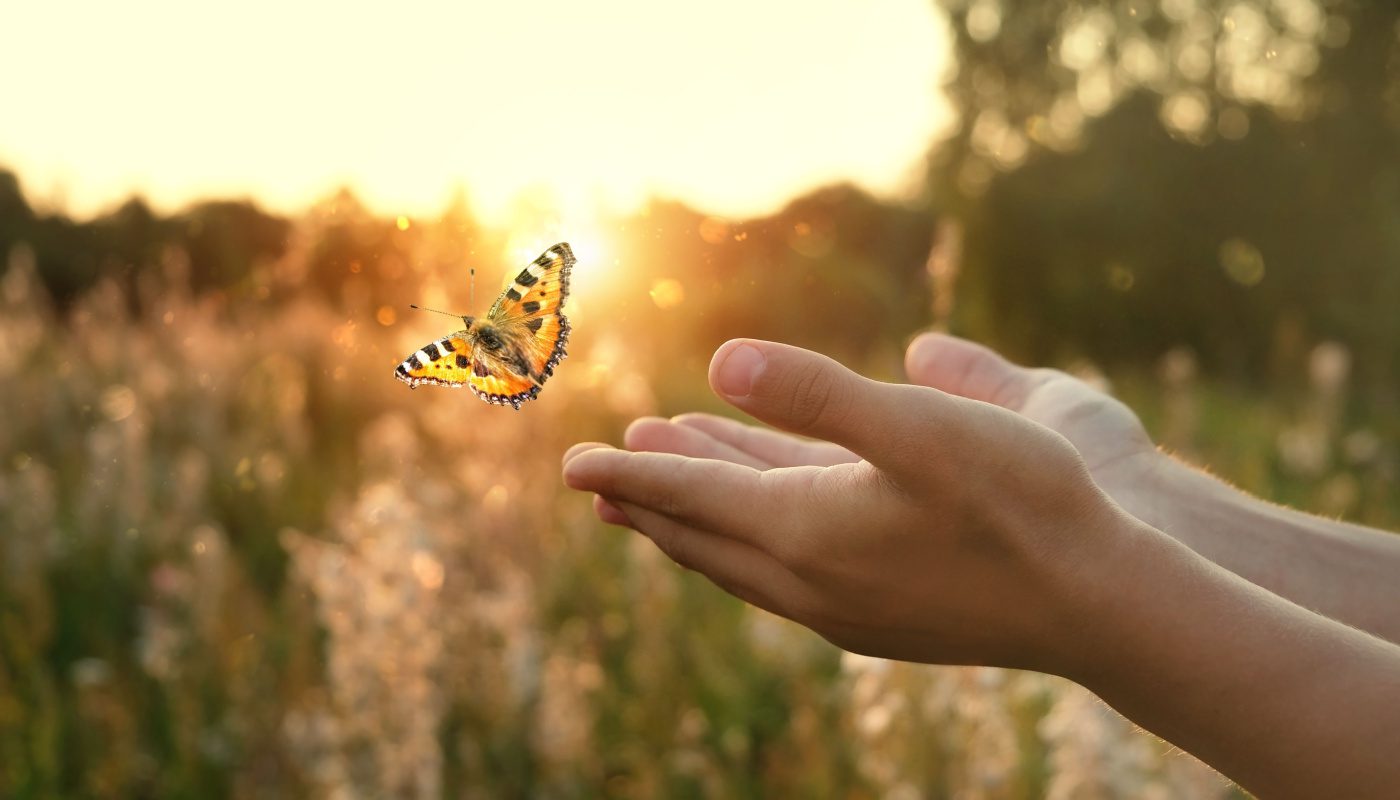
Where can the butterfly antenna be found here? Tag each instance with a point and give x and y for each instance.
(473, 284)
(435, 311)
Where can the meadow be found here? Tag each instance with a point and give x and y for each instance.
(239, 560)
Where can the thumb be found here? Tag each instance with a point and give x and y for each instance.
(970, 370)
(807, 393)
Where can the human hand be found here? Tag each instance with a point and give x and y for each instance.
(960, 536)
(1116, 448)
(972, 534)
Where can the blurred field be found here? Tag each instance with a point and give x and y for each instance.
(240, 560)
(237, 559)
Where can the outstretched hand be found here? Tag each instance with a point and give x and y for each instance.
(916, 524)
(1116, 448)
(973, 520)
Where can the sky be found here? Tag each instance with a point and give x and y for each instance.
(732, 106)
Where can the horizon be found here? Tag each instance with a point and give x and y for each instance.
(459, 202)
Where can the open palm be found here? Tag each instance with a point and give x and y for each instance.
(1115, 446)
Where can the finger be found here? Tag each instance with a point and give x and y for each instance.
(608, 512)
(776, 448)
(716, 496)
(968, 369)
(892, 426)
(582, 447)
(662, 436)
(741, 569)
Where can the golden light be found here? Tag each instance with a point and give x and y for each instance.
(714, 230)
(733, 107)
(667, 293)
(598, 266)
(545, 216)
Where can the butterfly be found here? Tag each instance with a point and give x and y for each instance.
(506, 357)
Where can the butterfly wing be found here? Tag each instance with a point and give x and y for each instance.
(502, 376)
(446, 362)
(529, 331)
(539, 290)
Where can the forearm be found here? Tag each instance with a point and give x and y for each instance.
(1344, 572)
(1283, 701)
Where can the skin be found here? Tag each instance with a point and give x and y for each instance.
(1016, 517)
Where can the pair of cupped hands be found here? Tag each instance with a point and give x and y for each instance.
(964, 518)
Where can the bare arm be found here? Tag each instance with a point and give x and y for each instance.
(1346, 572)
(967, 534)
(1285, 702)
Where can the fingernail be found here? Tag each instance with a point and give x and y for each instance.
(923, 347)
(740, 370)
(922, 358)
(582, 447)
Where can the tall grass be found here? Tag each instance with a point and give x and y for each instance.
(240, 560)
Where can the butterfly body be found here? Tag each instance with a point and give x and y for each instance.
(505, 357)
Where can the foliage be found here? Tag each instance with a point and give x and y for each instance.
(1219, 174)
(225, 237)
(240, 560)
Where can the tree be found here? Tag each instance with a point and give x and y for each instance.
(1132, 176)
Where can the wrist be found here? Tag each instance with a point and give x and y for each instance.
(1099, 616)
(1175, 497)
(1087, 590)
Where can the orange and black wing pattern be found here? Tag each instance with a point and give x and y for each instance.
(528, 324)
(500, 376)
(505, 358)
(446, 362)
(539, 291)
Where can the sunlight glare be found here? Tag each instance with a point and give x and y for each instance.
(543, 216)
(732, 107)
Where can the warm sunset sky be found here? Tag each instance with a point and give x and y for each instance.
(732, 105)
